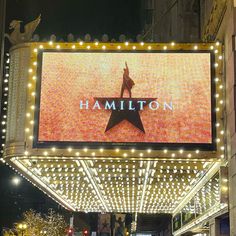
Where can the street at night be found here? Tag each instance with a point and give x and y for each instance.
(117, 118)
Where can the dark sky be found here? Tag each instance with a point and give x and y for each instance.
(14, 200)
(96, 17)
(61, 17)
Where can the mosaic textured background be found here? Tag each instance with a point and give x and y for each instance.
(183, 78)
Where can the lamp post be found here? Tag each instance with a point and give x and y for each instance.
(22, 228)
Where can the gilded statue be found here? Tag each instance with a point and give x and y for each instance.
(16, 36)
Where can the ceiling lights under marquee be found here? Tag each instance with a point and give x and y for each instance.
(118, 179)
(116, 185)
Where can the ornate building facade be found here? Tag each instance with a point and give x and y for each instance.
(206, 21)
(163, 21)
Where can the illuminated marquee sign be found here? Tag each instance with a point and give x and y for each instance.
(141, 99)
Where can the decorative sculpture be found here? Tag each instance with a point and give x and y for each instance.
(16, 36)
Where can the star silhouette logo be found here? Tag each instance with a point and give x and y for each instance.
(125, 109)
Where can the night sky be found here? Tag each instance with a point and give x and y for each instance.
(79, 17)
(61, 17)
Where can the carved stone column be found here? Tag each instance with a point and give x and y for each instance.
(214, 227)
(17, 99)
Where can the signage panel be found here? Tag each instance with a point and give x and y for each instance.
(143, 99)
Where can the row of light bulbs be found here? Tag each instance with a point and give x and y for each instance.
(125, 44)
(4, 100)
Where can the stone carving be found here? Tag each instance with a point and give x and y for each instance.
(212, 23)
(16, 36)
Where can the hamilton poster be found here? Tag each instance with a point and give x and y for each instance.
(119, 229)
(123, 97)
(104, 224)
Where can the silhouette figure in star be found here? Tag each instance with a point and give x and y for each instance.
(128, 83)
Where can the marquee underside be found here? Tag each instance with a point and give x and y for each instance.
(114, 185)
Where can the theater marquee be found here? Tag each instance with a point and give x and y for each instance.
(115, 127)
(108, 100)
